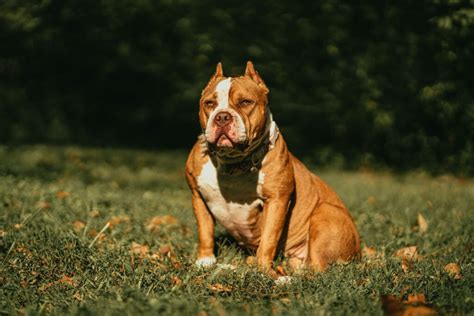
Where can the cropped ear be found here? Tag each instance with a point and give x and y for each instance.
(217, 74)
(253, 74)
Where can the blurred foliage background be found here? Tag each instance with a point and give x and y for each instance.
(371, 83)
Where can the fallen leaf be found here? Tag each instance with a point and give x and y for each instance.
(165, 250)
(406, 265)
(369, 252)
(2, 233)
(115, 220)
(454, 270)
(251, 260)
(176, 280)
(94, 213)
(218, 287)
(138, 249)
(77, 296)
(408, 253)
(422, 224)
(78, 226)
(63, 280)
(416, 298)
(226, 266)
(43, 205)
(62, 194)
(371, 200)
(24, 251)
(280, 271)
(67, 280)
(154, 223)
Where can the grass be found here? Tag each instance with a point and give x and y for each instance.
(55, 201)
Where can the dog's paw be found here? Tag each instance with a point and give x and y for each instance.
(205, 261)
(285, 279)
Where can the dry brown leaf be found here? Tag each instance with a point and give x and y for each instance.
(2, 233)
(371, 200)
(408, 253)
(119, 219)
(139, 249)
(165, 250)
(416, 298)
(453, 270)
(218, 287)
(67, 280)
(43, 205)
(78, 226)
(24, 251)
(251, 260)
(176, 280)
(77, 296)
(62, 194)
(406, 265)
(280, 271)
(369, 252)
(154, 223)
(64, 280)
(94, 213)
(422, 224)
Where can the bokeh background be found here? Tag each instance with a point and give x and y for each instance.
(371, 83)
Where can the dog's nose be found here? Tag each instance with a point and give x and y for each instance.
(223, 118)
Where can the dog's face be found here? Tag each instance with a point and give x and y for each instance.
(232, 110)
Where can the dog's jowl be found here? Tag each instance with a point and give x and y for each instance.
(242, 175)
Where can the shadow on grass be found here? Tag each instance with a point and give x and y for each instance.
(225, 241)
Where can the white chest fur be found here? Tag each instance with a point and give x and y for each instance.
(234, 201)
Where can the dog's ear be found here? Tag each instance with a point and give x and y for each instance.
(217, 74)
(253, 74)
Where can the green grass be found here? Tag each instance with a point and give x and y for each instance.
(52, 262)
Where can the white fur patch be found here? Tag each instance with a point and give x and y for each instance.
(238, 216)
(222, 90)
(261, 181)
(206, 261)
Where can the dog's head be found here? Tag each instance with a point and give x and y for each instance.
(233, 110)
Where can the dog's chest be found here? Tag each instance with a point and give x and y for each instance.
(234, 201)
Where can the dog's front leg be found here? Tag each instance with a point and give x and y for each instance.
(205, 224)
(274, 216)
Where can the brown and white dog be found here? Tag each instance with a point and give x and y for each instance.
(241, 174)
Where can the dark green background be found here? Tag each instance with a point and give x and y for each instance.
(352, 83)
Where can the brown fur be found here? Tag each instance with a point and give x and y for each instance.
(301, 215)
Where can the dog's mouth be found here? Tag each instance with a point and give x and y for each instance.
(224, 141)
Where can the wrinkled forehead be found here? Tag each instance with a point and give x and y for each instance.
(232, 85)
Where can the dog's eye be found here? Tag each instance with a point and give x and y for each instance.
(246, 102)
(209, 103)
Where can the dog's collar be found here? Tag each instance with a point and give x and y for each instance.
(248, 160)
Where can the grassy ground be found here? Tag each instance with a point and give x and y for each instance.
(54, 203)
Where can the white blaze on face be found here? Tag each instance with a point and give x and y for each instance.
(222, 90)
(237, 127)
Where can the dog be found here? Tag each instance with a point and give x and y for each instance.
(242, 174)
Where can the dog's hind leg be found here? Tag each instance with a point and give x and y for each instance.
(332, 237)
